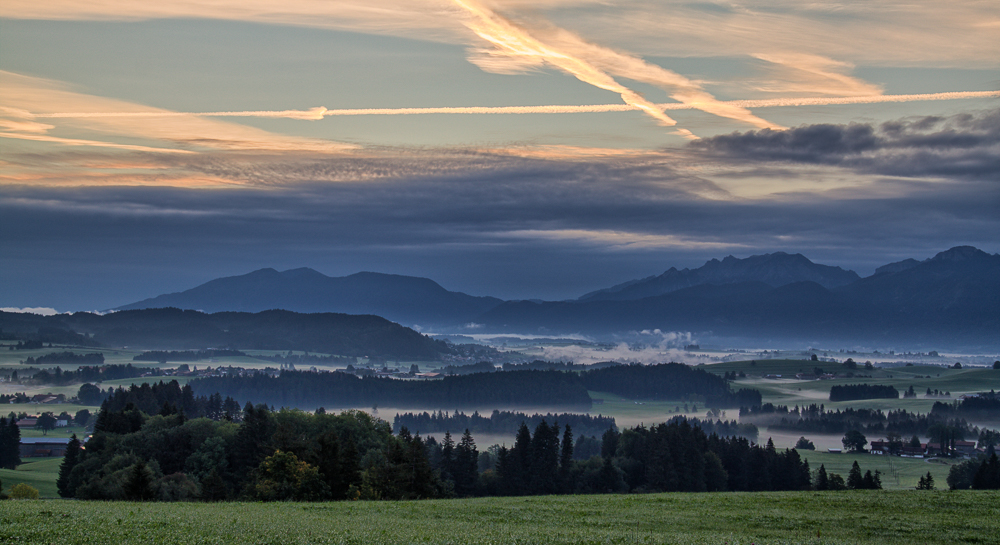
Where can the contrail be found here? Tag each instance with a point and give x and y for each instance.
(321, 112)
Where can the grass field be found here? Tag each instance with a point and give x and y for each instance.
(722, 518)
(40, 473)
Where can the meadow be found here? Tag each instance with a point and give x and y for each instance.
(40, 473)
(882, 517)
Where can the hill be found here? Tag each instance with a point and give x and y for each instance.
(404, 299)
(175, 329)
(775, 270)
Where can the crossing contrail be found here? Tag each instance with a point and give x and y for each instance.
(321, 112)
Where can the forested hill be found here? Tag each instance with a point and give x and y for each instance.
(174, 329)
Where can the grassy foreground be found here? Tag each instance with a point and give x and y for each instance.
(723, 518)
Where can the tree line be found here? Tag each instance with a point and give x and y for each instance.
(815, 419)
(163, 356)
(93, 373)
(850, 392)
(669, 381)
(985, 405)
(10, 441)
(93, 358)
(498, 422)
(311, 389)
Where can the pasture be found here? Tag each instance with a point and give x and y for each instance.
(40, 473)
(721, 518)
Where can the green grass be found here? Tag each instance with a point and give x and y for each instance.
(723, 518)
(40, 473)
(897, 472)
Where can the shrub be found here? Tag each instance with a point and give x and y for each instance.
(21, 491)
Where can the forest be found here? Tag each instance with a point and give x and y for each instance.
(669, 381)
(498, 422)
(815, 419)
(342, 390)
(294, 455)
(851, 392)
(527, 388)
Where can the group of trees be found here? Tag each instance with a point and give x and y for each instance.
(850, 392)
(163, 356)
(498, 422)
(985, 405)
(979, 473)
(10, 441)
(875, 422)
(94, 358)
(669, 381)
(505, 388)
(306, 388)
(290, 454)
(92, 373)
(161, 398)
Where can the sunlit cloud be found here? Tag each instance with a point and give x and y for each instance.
(320, 112)
(798, 73)
(104, 120)
(512, 42)
(620, 239)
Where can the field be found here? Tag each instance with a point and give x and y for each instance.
(721, 518)
(40, 473)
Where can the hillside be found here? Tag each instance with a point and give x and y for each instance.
(174, 329)
(775, 270)
(952, 299)
(405, 299)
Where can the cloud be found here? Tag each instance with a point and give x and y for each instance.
(44, 311)
(590, 63)
(958, 146)
(798, 73)
(104, 121)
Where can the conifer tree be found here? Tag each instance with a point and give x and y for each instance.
(70, 460)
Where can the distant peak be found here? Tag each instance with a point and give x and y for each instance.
(960, 253)
(300, 272)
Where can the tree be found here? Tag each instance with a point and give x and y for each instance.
(10, 441)
(282, 476)
(926, 482)
(46, 423)
(466, 465)
(822, 479)
(804, 444)
(82, 417)
(70, 460)
(566, 460)
(138, 485)
(854, 479)
(854, 441)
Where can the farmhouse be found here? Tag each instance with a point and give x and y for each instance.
(34, 447)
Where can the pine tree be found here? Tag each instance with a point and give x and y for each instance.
(566, 460)
(466, 465)
(854, 479)
(70, 460)
(822, 480)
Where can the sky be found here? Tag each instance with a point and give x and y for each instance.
(517, 149)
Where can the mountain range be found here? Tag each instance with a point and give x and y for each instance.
(951, 298)
(404, 299)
